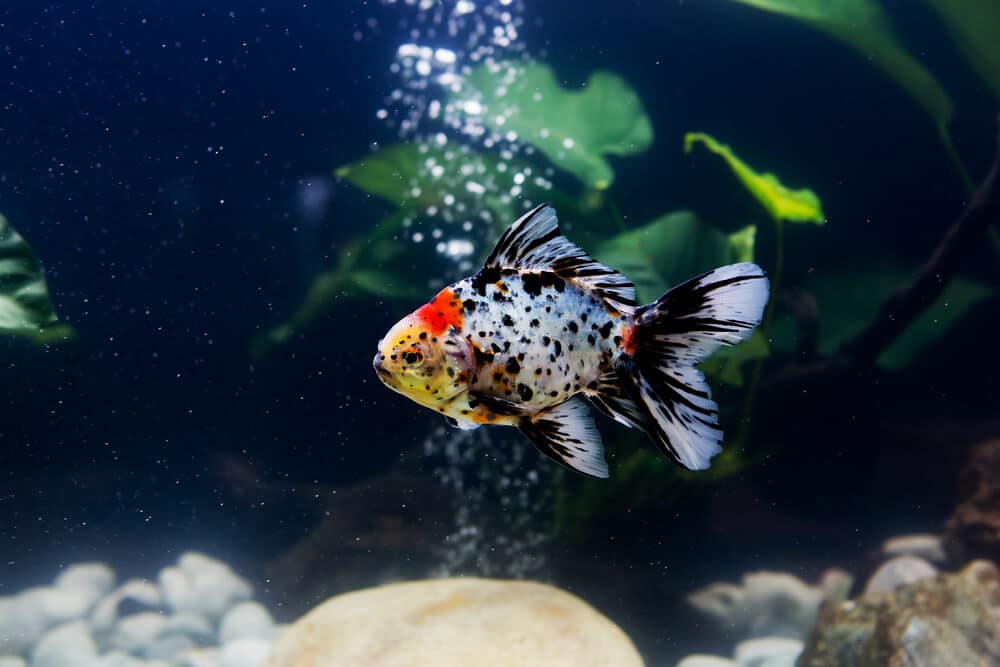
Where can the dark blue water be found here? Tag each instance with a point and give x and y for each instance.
(152, 154)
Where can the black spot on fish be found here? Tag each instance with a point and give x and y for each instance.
(553, 393)
(558, 348)
(534, 323)
(606, 330)
(486, 276)
(482, 357)
(494, 347)
(546, 340)
(512, 366)
(525, 392)
(591, 339)
(508, 321)
(482, 334)
(538, 371)
(469, 305)
(572, 326)
(497, 377)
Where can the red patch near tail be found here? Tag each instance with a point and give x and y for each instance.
(443, 312)
(629, 342)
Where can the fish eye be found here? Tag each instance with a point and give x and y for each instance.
(412, 356)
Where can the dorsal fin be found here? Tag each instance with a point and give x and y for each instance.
(534, 243)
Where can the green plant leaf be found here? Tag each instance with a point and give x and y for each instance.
(25, 307)
(849, 297)
(864, 26)
(573, 129)
(428, 179)
(665, 252)
(781, 202)
(974, 26)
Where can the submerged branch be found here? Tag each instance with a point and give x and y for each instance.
(909, 301)
(904, 305)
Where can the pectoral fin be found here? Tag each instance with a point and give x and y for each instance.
(463, 425)
(566, 434)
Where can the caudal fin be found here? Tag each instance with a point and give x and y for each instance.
(670, 337)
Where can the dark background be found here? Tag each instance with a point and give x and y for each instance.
(151, 153)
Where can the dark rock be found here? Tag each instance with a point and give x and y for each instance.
(950, 619)
(973, 529)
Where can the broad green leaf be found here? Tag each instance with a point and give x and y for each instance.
(665, 252)
(781, 202)
(573, 129)
(449, 181)
(850, 296)
(974, 26)
(864, 26)
(25, 308)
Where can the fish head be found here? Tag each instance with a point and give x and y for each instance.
(427, 365)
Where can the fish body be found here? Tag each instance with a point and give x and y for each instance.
(542, 326)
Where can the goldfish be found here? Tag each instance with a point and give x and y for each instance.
(542, 329)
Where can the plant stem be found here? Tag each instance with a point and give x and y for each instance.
(750, 397)
(966, 179)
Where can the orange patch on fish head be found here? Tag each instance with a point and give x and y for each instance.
(444, 311)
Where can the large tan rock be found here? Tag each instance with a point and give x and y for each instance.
(455, 623)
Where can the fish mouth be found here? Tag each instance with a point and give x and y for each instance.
(384, 373)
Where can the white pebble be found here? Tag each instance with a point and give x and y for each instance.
(203, 585)
(200, 657)
(768, 652)
(168, 648)
(21, 625)
(899, 571)
(140, 591)
(135, 632)
(69, 645)
(247, 619)
(92, 579)
(121, 659)
(248, 652)
(701, 660)
(188, 624)
(57, 605)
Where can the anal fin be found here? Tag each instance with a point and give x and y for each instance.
(566, 434)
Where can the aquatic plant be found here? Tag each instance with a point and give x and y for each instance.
(974, 26)
(864, 26)
(25, 307)
(574, 130)
(848, 297)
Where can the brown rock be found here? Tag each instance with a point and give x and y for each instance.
(455, 623)
(973, 529)
(944, 621)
